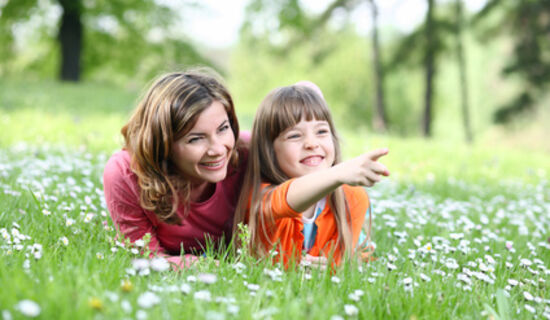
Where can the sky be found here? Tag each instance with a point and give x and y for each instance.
(217, 24)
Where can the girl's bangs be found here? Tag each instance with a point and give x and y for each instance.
(302, 104)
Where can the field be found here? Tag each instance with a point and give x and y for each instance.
(462, 232)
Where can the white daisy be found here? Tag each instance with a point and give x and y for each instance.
(28, 308)
(147, 300)
(351, 310)
(203, 295)
(207, 278)
(159, 264)
(185, 288)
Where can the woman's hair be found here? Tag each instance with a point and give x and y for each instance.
(281, 109)
(168, 111)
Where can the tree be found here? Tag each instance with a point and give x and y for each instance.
(429, 65)
(380, 122)
(425, 46)
(461, 59)
(111, 38)
(527, 23)
(294, 27)
(70, 39)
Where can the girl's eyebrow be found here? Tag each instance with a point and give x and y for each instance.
(321, 123)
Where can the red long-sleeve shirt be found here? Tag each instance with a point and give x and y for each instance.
(212, 218)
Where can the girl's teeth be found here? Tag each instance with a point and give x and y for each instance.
(312, 161)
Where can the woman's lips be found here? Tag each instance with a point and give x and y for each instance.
(213, 165)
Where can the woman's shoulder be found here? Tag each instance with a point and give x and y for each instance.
(118, 165)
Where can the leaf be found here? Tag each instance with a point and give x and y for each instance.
(503, 305)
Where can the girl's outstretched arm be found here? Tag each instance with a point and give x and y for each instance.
(363, 170)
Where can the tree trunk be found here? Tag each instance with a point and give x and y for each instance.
(463, 78)
(430, 71)
(380, 122)
(70, 40)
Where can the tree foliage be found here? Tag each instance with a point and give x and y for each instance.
(287, 26)
(121, 38)
(528, 23)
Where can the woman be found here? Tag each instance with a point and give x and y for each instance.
(179, 174)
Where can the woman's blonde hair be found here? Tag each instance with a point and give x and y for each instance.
(281, 109)
(167, 112)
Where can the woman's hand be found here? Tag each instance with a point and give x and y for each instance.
(364, 170)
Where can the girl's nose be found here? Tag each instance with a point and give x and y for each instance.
(311, 143)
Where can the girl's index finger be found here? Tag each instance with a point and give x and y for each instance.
(376, 154)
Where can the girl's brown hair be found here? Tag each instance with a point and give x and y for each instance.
(281, 109)
(167, 112)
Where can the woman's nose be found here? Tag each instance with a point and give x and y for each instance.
(215, 148)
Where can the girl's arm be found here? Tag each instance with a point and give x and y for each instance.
(363, 170)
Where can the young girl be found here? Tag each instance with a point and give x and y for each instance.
(301, 199)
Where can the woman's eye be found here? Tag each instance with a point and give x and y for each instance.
(193, 140)
(224, 128)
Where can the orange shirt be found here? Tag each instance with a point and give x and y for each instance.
(287, 234)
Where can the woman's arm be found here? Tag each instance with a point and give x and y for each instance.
(128, 216)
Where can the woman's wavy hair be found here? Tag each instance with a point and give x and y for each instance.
(281, 109)
(168, 111)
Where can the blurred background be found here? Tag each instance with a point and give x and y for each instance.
(458, 73)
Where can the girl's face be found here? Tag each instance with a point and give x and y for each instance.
(202, 155)
(305, 148)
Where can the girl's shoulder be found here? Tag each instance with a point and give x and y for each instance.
(356, 196)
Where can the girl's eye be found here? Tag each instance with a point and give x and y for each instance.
(293, 136)
(323, 131)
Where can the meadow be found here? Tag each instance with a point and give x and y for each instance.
(461, 232)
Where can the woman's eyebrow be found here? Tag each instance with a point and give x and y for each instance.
(198, 133)
(223, 123)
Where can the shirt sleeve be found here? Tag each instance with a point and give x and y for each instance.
(123, 204)
(276, 198)
(359, 204)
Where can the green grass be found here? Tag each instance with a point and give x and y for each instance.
(449, 205)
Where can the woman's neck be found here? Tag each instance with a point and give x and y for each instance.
(202, 192)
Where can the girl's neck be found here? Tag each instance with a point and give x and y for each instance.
(309, 212)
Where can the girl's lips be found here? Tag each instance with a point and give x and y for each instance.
(213, 165)
(312, 160)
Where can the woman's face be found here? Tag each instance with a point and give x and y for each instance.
(203, 154)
